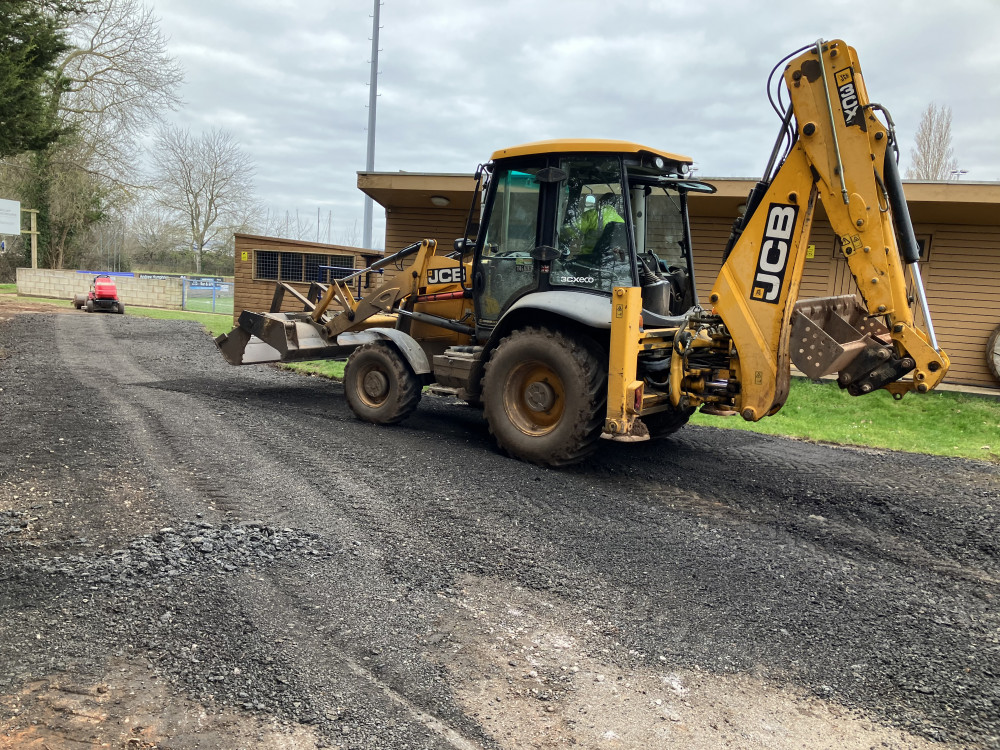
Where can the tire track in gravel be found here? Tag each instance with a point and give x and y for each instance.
(419, 520)
(635, 524)
(173, 448)
(864, 582)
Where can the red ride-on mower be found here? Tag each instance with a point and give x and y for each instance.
(102, 297)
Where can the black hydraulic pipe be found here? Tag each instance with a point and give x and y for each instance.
(760, 189)
(436, 320)
(406, 251)
(900, 213)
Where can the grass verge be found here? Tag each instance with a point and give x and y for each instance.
(214, 323)
(326, 368)
(940, 423)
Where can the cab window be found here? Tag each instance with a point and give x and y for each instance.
(591, 230)
(506, 264)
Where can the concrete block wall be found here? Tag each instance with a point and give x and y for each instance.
(62, 284)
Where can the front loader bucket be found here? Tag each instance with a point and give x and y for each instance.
(240, 348)
(836, 334)
(277, 337)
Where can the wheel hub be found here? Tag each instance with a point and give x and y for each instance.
(376, 385)
(534, 398)
(539, 396)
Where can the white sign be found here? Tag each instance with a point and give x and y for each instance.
(10, 217)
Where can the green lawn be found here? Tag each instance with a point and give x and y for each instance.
(8, 288)
(223, 305)
(940, 423)
(215, 324)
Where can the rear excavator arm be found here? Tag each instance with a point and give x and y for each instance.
(737, 356)
(840, 157)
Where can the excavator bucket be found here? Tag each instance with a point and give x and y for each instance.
(836, 334)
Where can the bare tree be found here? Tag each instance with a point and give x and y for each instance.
(155, 231)
(295, 225)
(75, 200)
(932, 155)
(207, 180)
(116, 81)
(112, 81)
(351, 236)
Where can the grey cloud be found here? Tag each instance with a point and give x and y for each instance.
(460, 80)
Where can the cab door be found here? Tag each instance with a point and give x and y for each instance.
(505, 269)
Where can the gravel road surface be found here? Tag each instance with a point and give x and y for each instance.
(194, 555)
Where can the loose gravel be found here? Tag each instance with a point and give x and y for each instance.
(234, 534)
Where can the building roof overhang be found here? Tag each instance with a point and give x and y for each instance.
(952, 202)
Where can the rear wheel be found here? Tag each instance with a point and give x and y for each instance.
(380, 385)
(544, 396)
(993, 353)
(664, 423)
(121, 308)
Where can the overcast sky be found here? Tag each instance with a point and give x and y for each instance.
(461, 79)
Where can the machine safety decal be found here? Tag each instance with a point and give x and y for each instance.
(849, 102)
(774, 247)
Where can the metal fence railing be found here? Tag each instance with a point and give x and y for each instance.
(207, 294)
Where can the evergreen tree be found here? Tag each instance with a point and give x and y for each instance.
(31, 42)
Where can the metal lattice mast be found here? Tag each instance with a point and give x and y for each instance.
(372, 97)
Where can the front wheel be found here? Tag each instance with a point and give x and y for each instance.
(90, 305)
(380, 385)
(545, 396)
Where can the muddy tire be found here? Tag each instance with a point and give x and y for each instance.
(545, 395)
(993, 353)
(380, 385)
(665, 423)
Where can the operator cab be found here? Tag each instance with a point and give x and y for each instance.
(585, 216)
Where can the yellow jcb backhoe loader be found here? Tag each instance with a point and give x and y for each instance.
(572, 314)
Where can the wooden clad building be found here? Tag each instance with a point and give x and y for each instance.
(957, 224)
(260, 261)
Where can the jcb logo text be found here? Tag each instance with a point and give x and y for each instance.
(454, 275)
(773, 258)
